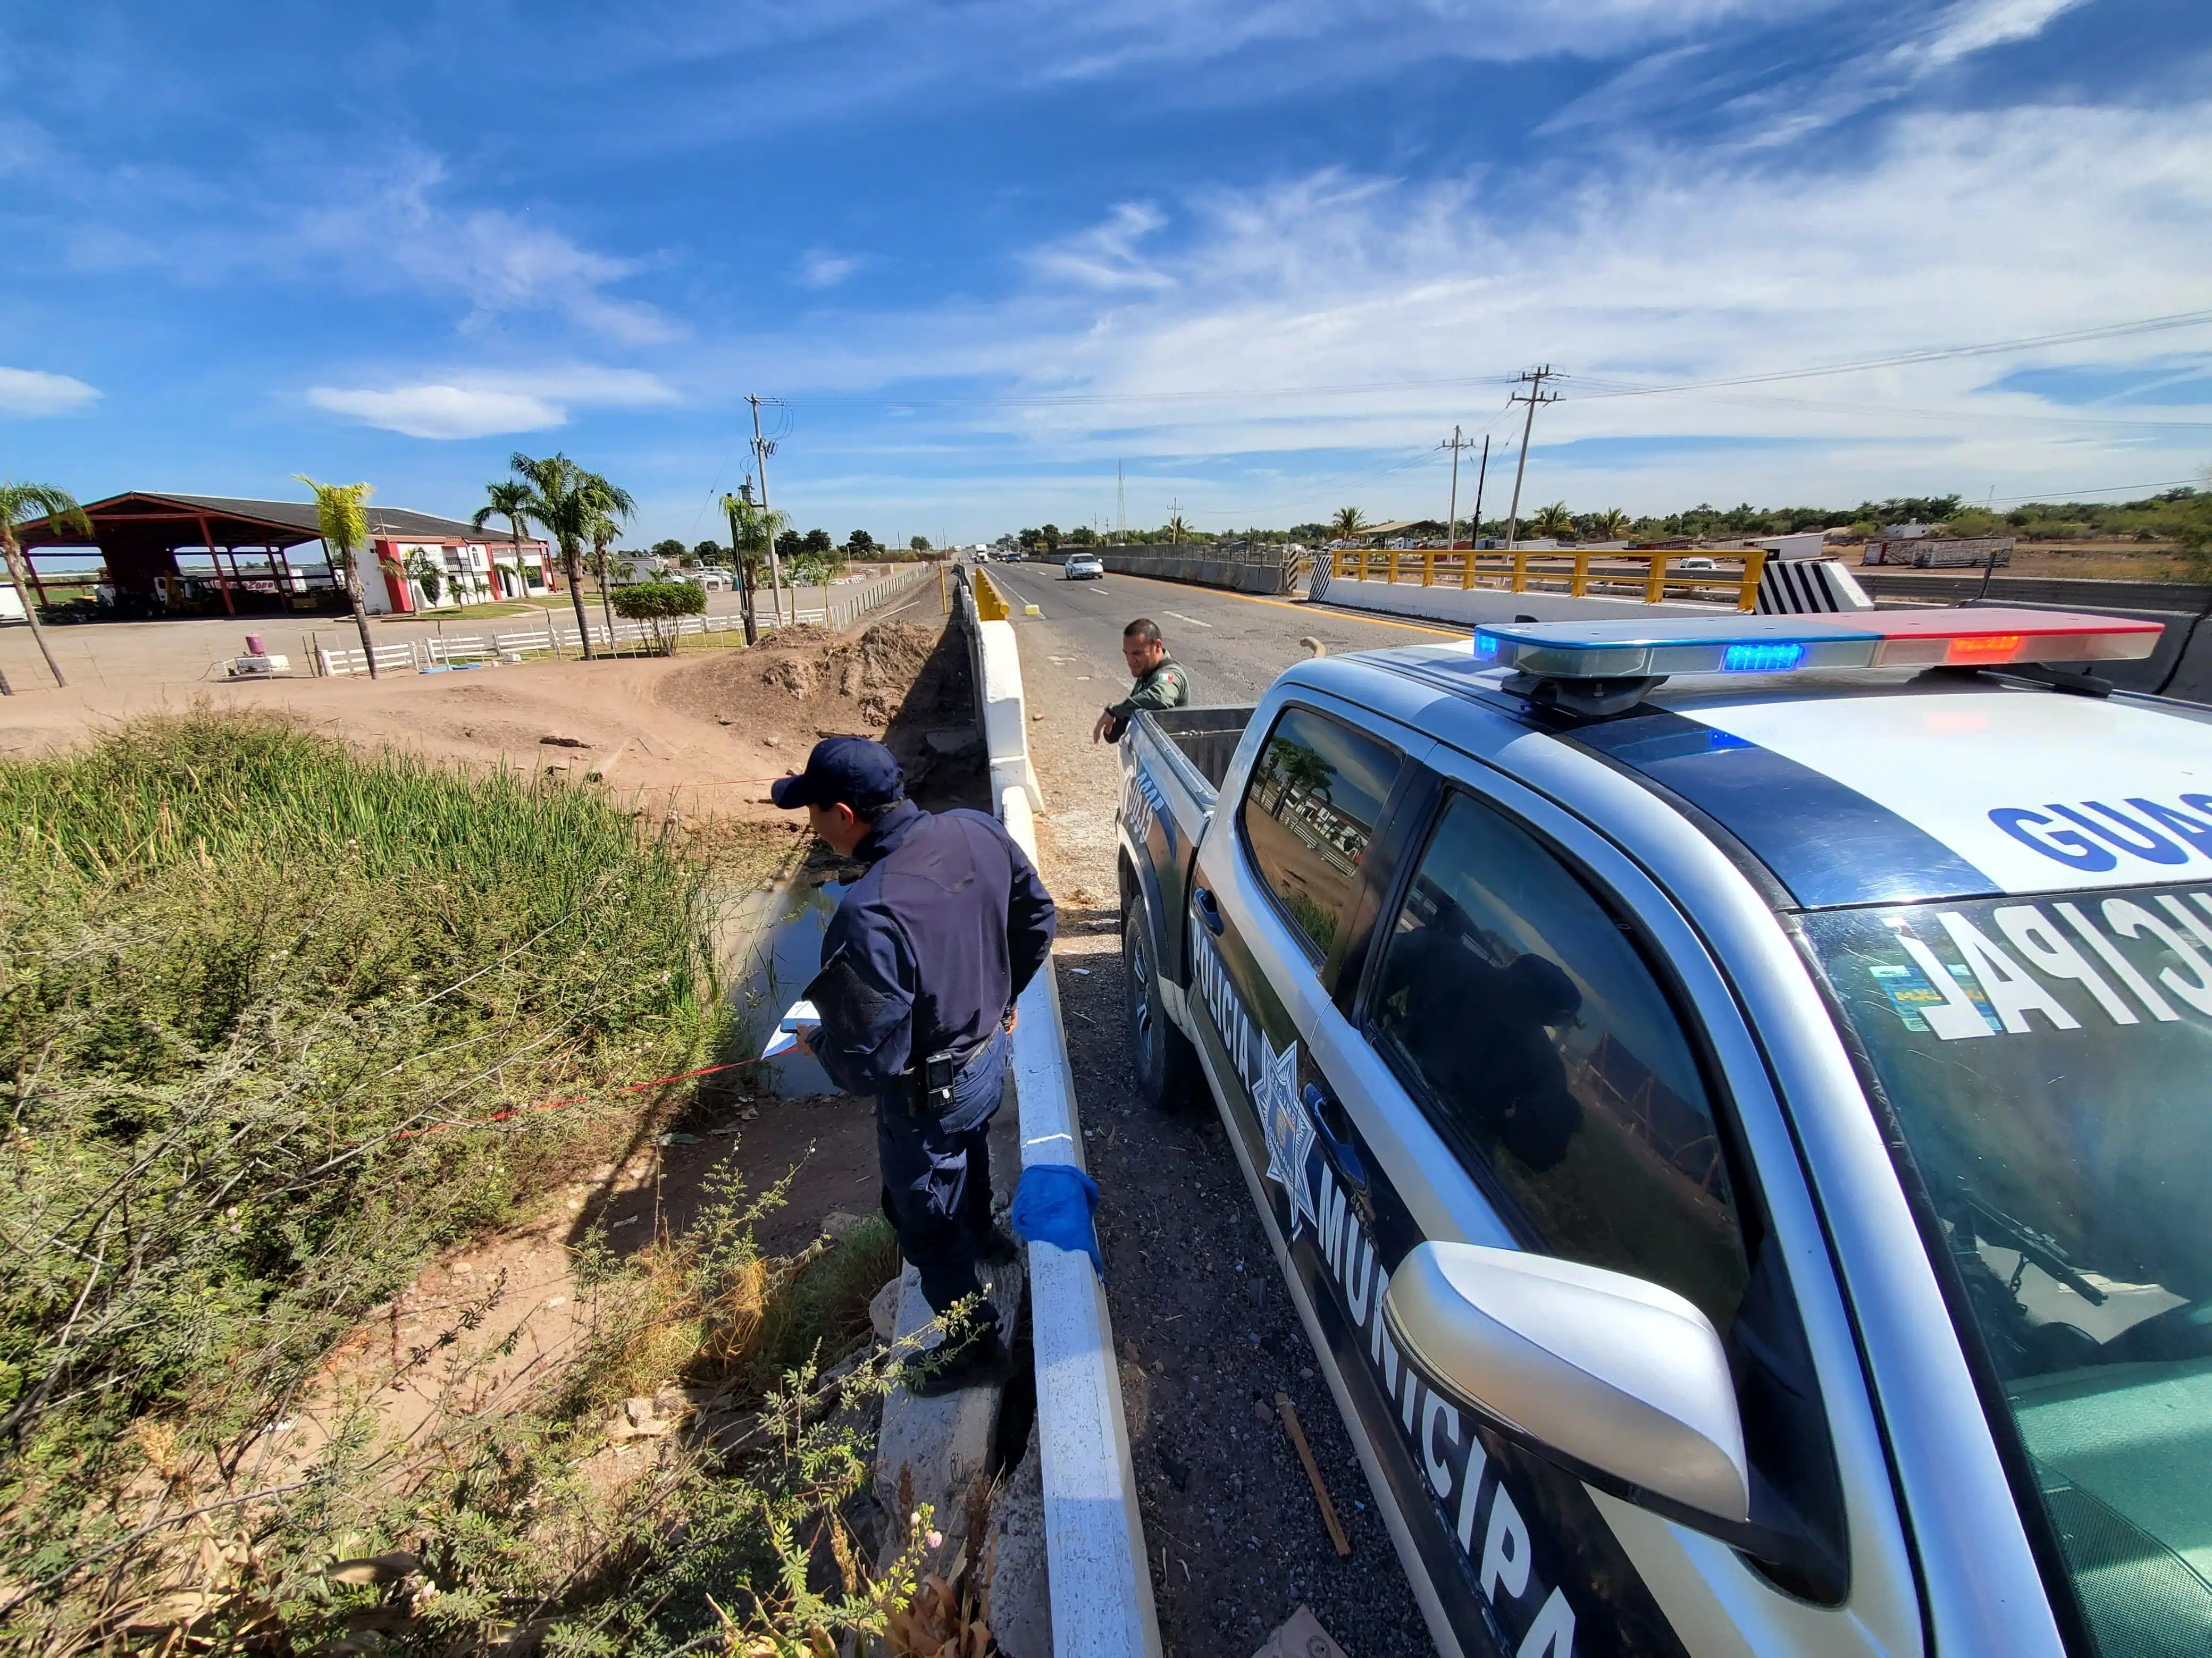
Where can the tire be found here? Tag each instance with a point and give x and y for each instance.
(1163, 1061)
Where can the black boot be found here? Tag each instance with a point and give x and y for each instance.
(981, 1360)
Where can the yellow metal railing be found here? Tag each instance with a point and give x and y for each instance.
(1653, 574)
(989, 607)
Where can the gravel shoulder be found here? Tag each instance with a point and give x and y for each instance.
(1207, 1332)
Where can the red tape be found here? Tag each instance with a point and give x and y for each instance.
(555, 1105)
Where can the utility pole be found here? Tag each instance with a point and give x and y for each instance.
(1120, 505)
(1454, 443)
(1474, 530)
(762, 450)
(1533, 379)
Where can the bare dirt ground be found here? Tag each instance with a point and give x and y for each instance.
(699, 736)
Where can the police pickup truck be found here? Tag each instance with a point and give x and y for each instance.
(1729, 1101)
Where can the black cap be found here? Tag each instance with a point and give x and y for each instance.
(860, 772)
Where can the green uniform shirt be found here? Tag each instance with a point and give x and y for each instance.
(1165, 687)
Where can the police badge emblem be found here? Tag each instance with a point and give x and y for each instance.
(1289, 1129)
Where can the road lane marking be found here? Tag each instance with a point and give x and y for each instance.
(1192, 620)
(1342, 615)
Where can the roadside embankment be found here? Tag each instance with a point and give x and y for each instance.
(396, 1262)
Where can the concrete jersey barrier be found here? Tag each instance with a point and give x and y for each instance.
(1101, 1587)
(1191, 563)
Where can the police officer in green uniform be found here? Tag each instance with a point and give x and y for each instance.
(1161, 682)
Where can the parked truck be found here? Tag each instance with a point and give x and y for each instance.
(1725, 1098)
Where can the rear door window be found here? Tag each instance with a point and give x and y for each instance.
(1307, 815)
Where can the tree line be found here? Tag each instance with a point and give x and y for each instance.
(2181, 517)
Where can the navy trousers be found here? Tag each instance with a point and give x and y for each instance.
(937, 1177)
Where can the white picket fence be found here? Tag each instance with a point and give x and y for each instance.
(559, 638)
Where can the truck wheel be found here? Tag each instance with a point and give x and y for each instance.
(1165, 1063)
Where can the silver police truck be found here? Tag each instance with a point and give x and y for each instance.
(1729, 1098)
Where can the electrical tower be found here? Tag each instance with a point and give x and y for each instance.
(1534, 378)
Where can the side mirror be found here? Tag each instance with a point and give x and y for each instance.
(1622, 1381)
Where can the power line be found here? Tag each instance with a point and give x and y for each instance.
(1892, 360)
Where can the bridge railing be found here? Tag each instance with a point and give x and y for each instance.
(1654, 575)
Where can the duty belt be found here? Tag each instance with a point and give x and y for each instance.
(930, 1083)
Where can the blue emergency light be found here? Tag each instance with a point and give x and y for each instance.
(1666, 644)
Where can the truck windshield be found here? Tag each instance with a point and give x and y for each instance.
(2050, 1064)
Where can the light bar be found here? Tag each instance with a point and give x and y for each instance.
(1803, 644)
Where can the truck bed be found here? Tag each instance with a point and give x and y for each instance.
(1203, 739)
(1174, 762)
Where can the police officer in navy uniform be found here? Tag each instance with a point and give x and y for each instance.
(920, 966)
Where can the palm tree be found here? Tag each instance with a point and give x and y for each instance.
(556, 505)
(605, 507)
(1348, 523)
(343, 522)
(1554, 520)
(19, 503)
(509, 499)
(753, 530)
(1611, 525)
(1177, 531)
(1299, 769)
(428, 575)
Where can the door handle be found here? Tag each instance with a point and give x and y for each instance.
(1321, 1106)
(1209, 912)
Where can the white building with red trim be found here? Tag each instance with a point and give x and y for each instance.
(417, 570)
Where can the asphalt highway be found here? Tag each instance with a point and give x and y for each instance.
(1233, 645)
(1206, 1334)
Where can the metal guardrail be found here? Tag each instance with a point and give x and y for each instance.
(1653, 573)
(1101, 1585)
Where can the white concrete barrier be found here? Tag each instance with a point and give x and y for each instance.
(1472, 606)
(1101, 1589)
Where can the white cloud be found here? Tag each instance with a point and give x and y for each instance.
(441, 411)
(30, 392)
(1973, 25)
(839, 55)
(819, 268)
(482, 405)
(498, 261)
(1106, 256)
(1651, 267)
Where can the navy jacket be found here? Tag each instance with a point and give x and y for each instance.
(928, 948)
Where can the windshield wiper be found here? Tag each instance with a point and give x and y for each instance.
(2038, 1248)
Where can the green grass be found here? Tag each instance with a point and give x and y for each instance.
(237, 961)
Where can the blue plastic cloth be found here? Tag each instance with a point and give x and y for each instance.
(1052, 1205)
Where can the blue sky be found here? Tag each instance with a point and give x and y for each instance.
(1263, 255)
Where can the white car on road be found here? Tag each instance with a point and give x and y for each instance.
(1084, 567)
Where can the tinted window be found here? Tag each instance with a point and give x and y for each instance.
(1308, 813)
(1514, 1004)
